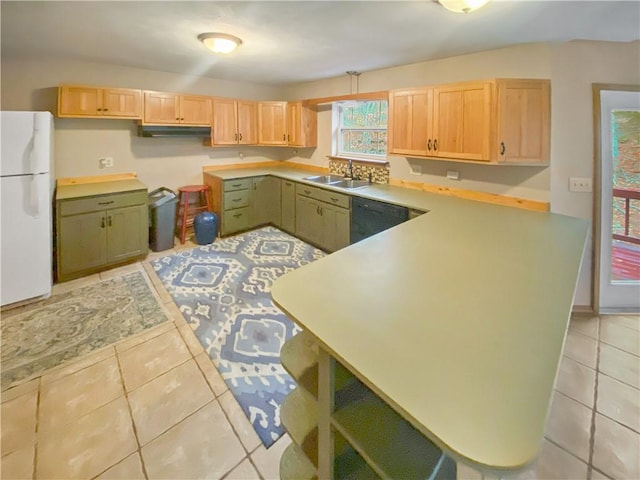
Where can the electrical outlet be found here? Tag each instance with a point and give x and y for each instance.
(453, 175)
(106, 162)
(580, 184)
(415, 169)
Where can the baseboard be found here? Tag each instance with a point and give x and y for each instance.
(582, 310)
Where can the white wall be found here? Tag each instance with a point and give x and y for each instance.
(79, 143)
(575, 67)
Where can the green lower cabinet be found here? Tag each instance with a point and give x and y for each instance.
(324, 225)
(82, 243)
(97, 232)
(127, 233)
(288, 206)
(264, 202)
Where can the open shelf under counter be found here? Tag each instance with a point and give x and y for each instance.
(299, 357)
(388, 443)
(299, 415)
(294, 465)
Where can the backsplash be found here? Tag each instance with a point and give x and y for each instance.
(361, 170)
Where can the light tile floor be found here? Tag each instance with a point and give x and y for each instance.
(154, 406)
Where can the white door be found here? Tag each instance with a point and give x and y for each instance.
(25, 238)
(620, 201)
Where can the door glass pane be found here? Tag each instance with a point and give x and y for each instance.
(625, 144)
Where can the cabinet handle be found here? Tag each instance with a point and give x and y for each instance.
(236, 184)
(284, 136)
(110, 224)
(105, 109)
(288, 184)
(334, 199)
(288, 138)
(502, 148)
(240, 137)
(177, 118)
(435, 145)
(236, 200)
(429, 145)
(102, 225)
(99, 109)
(320, 210)
(308, 192)
(106, 203)
(237, 215)
(235, 137)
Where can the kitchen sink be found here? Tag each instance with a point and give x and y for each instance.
(326, 179)
(351, 184)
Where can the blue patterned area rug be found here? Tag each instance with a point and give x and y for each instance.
(223, 291)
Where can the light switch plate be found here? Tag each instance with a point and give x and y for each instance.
(106, 162)
(580, 184)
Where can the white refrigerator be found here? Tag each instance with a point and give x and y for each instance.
(26, 190)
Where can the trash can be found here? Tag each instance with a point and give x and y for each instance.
(162, 217)
(205, 225)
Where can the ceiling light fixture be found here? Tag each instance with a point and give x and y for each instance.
(220, 42)
(462, 6)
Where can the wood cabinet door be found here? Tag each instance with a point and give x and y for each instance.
(161, 108)
(272, 123)
(127, 233)
(308, 221)
(294, 123)
(409, 130)
(265, 201)
(195, 110)
(288, 206)
(247, 114)
(523, 117)
(79, 101)
(82, 243)
(462, 121)
(122, 102)
(335, 227)
(225, 129)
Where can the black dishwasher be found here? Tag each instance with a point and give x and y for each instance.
(369, 217)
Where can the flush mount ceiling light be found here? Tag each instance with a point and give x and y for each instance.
(462, 6)
(220, 42)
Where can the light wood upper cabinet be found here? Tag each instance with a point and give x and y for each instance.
(172, 109)
(302, 129)
(234, 122)
(462, 121)
(86, 101)
(523, 121)
(409, 130)
(272, 123)
(498, 121)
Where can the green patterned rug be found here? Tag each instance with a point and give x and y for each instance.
(45, 334)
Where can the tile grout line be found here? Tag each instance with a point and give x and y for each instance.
(133, 423)
(35, 444)
(592, 429)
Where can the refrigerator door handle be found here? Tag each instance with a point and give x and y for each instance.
(33, 144)
(34, 194)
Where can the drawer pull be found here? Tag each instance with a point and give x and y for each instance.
(106, 203)
(236, 184)
(334, 199)
(308, 192)
(236, 200)
(288, 184)
(237, 215)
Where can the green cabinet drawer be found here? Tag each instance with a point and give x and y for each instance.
(235, 220)
(236, 199)
(307, 191)
(237, 184)
(102, 202)
(334, 198)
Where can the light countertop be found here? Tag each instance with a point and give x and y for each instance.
(456, 318)
(66, 192)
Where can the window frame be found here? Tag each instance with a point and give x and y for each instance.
(338, 150)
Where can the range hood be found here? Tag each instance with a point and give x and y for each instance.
(173, 131)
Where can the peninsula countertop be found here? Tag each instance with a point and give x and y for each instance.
(456, 318)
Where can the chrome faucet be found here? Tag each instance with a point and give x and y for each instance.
(349, 169)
